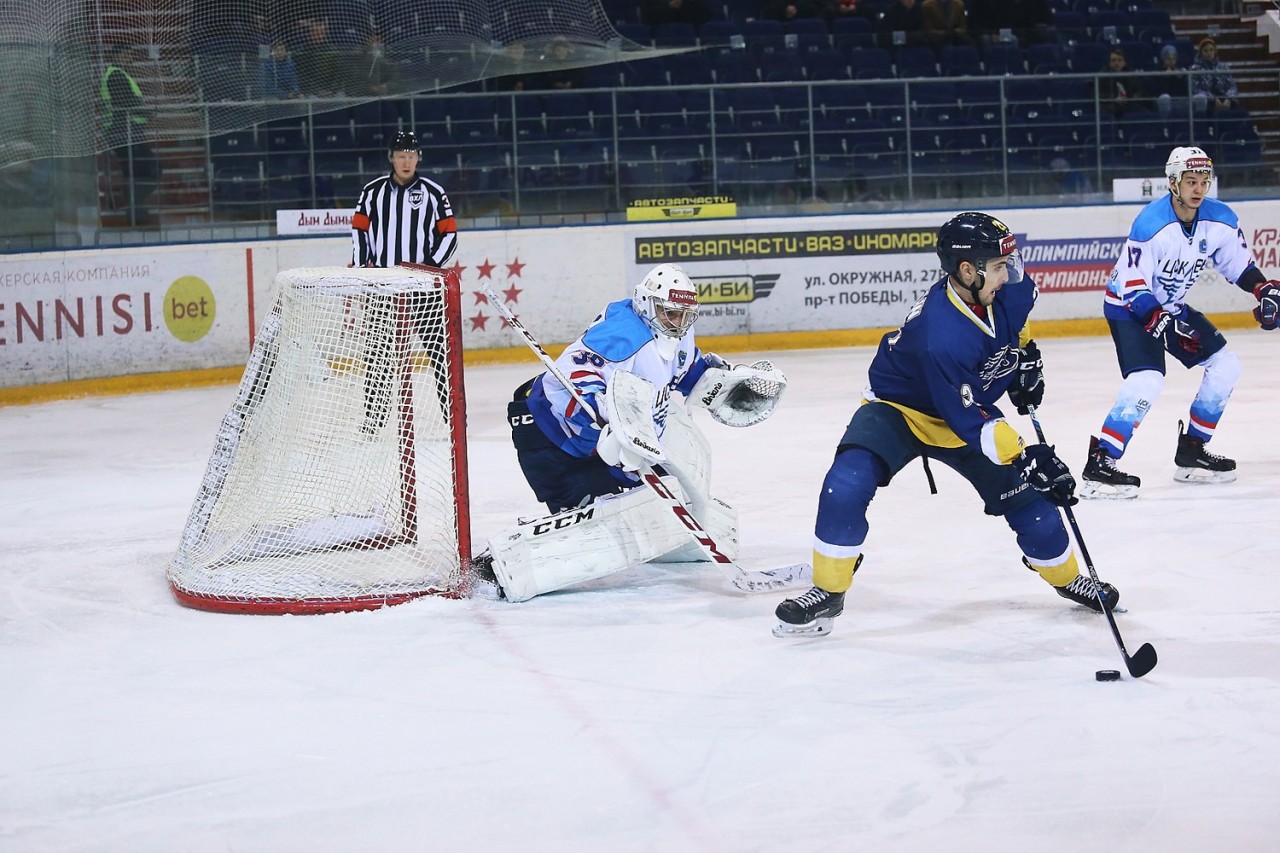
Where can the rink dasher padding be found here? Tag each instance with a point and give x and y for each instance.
(120, 320)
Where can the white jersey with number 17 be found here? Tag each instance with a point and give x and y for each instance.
(1164, 257)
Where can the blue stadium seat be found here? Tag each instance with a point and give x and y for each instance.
(1089, 57)
(781, 66)
(809, 34)
(674, 34)
(916, 62)
(735, 67)
(691, 69)
(634, 31)
(1003, 59)
(830, 64)
(960, 61)
(870, 63)
(852, 33)
(721, 34)
(1047, 58)
(764, 35)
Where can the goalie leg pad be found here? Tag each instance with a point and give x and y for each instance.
(718, 519)
(605, 537)
(688, 458)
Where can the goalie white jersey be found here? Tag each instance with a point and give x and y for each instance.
(1164, 257)
(618, 339)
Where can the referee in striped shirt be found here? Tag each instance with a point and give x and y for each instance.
(402, 217)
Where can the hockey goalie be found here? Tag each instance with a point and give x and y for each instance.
(603, 415)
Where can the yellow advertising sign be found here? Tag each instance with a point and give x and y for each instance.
(681, 207)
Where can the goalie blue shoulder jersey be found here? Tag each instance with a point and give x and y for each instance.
(946, 362)
(618, 339)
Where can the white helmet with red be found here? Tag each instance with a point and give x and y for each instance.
(668, 302)
(1187, 159)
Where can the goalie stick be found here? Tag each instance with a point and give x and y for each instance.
(743, 579)
(1143, 660)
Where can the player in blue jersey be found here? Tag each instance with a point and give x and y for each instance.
(583, 465)
(1170, 245)
(933, 390)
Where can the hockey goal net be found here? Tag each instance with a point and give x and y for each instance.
(338, 478)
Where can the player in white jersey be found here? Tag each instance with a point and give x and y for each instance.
(1170, 244)
(583, 465)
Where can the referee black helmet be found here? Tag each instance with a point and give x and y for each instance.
(404, 140)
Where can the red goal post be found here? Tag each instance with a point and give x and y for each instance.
(338, 478)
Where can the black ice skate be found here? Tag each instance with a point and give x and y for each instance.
(808, 615)
(1197, 465)
(1101, 478)
(484, 583)
(1084, 591)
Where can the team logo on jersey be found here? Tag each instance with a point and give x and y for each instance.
(416, 198)
(1204, 247)
(999, 365)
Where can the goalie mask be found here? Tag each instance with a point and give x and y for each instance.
(668, 303)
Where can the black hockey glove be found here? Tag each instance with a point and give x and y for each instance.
(1183, 335)
(1268, 311)
(1028, 384)
(1047, 474)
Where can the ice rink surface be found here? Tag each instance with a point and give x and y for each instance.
(953, 708)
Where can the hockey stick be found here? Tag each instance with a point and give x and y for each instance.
(1144, 660)
(751, 581)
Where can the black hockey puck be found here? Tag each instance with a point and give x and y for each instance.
(1107, 675)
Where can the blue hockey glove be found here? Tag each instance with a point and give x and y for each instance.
(1047, 474)
(1160, 320)
(1028, 384)
(1268, 311)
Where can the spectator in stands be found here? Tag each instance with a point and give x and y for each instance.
(279, 74)
(260, 33)
(1212, 85)
(944, 23)
(124, 129)
(24, 180)
(1169, 87)
(512, 56)
(834, 10)
(695, 12)
(1034, 22)
(1121, 89)
(371, 74)
(318, 61)
(1071, 181)
(789, 10)
(561, 75)
(987, 18)
(902, 25)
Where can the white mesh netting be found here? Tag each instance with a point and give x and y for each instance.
(337, 479)
(191, 53)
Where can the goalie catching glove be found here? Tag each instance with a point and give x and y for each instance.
(740, 396)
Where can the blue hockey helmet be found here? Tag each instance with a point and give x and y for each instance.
(973, 237)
